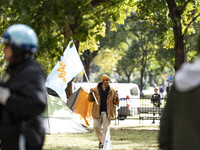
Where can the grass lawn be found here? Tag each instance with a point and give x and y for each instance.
(122, 138)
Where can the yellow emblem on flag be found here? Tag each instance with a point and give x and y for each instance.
(62, 70)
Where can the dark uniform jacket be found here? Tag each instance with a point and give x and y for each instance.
(155, 99)
(22, 112)
(180, 121)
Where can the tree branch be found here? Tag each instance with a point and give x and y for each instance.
(184, 6)
(193, 19)
(111, 4)
(96, 3)
(127, 43)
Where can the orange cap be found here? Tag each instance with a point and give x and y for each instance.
(104, 77)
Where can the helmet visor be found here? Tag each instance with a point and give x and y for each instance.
(3, 40)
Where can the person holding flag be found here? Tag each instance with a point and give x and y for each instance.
(104, 110)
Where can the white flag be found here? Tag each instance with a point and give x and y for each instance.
(64, 71)
(107, 143)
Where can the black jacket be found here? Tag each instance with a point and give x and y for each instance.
(180, 121)
(26, 82)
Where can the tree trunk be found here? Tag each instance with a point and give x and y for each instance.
(175, 15)
(87, 71)
(87, 58)
(141, 78)
(128, 78)
(180, 49)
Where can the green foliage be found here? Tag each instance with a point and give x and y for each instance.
(126, 66)
(157, 12)
(56, 22)
(106, 60)
(191, 43)
(3, 63)
(145, 37)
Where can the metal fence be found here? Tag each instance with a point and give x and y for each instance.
(141, 109)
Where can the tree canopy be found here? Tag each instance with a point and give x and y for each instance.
(161, 31)
(174, 18)
(56, 22)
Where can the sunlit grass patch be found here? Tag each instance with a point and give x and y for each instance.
(122, 138)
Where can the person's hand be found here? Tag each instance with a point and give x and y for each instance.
(91, 90)
(116, 99)
(116, 95)
(4, 95)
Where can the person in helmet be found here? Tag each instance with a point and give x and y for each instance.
(22, 92)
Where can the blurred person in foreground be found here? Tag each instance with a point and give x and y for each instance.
(107, 97)
(22, 92)
(180, 121)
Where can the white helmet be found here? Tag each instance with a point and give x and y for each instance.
(21, 36)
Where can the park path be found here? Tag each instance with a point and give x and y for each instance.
(143, 125)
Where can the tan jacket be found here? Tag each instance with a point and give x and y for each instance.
(111, 101)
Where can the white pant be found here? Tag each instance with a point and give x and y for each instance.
(98, 124)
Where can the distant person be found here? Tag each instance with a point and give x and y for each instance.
(161, 90)
(155, 98)
(107, 97)
(168, 89)
(22, 92)
(180, 121)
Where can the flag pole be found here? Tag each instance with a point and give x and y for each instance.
(90, 86)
